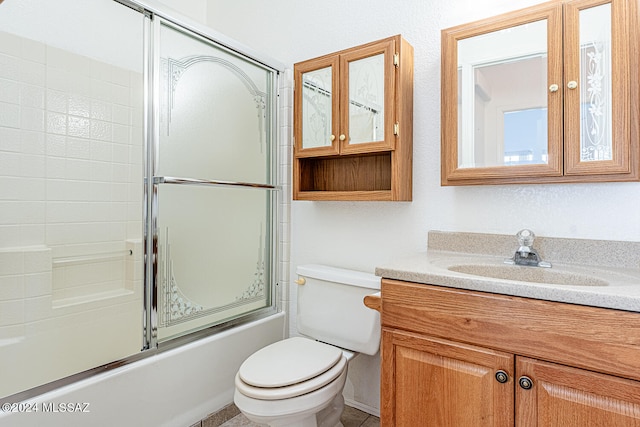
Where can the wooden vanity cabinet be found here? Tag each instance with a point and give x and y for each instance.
(429, 381)
(353, 123)
(461, 358)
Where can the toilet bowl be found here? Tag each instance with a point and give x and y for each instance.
(295, 395)
(299, 381)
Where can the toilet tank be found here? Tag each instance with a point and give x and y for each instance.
(331, 309)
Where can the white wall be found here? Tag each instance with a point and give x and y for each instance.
(363, 235)
(194, 9)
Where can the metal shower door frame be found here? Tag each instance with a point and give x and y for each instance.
(152, 182)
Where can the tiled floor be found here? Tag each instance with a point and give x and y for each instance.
(351, 417)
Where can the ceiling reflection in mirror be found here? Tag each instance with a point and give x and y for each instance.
(316, 108)
(502, 97)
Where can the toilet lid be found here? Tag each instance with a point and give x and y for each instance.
(288, 362)
(293, 390)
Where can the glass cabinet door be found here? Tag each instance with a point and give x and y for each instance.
(367, 114)
(597, 87)
(502, 107)
(344, 103)
(316, 119)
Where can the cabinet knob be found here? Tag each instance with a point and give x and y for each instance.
(525, 382)
(554, 88)
(502, 377)
(332, 138)
(572, 84)
(342, 137)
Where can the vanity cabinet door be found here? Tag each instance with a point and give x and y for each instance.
(562, 396)
(434, 382)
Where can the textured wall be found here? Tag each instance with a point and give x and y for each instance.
(362, 235)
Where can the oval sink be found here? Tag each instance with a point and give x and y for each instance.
(528, 274)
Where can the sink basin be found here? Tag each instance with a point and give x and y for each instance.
(528, 274)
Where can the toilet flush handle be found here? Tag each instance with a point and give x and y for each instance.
(300, 280)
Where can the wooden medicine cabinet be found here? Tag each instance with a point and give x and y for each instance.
(353, 124)
(544, 94)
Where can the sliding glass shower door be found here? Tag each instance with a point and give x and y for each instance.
(213, 197)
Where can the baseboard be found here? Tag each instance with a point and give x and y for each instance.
(366, 408)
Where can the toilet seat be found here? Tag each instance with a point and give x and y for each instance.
(289, 368)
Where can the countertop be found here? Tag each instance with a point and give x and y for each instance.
(607, 272)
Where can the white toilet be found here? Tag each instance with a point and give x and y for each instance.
(299, 381)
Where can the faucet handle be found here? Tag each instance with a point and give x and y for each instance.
(525, 238)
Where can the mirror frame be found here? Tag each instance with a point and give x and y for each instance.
(451, 173)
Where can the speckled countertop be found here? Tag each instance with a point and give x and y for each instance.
(597, 273)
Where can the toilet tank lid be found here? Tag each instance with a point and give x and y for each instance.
(339, 275)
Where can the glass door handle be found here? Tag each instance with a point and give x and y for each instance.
(209, 182)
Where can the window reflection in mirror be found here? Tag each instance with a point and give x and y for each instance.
(366, 100)
(316, 108)
(525, 136)
(502, 96)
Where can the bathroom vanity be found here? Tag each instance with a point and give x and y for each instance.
(465, 349)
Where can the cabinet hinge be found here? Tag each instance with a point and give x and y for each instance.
(396, 128)
(396, 59)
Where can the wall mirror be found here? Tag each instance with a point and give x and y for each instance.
(366, 99)
(502, 120)
(542, 94)
(316, 108)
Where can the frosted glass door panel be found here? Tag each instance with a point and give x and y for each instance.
(595, 90)
(213, 223)
(214, 103)
(213, 256)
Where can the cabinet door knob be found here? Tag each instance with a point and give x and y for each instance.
(332, 138)
(525, 382)
(554, 88)
(572, 84)
(501, 376)
(342, 137)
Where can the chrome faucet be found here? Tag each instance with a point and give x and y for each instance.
(525, 254)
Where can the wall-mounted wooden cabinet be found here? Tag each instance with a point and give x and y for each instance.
(544, 94)
(460, 358)
(353, 124)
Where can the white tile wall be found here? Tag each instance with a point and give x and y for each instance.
(285, 154)
(70, 210)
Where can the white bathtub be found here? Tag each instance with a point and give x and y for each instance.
(175, 388)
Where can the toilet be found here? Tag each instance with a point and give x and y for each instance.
(299, 381)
